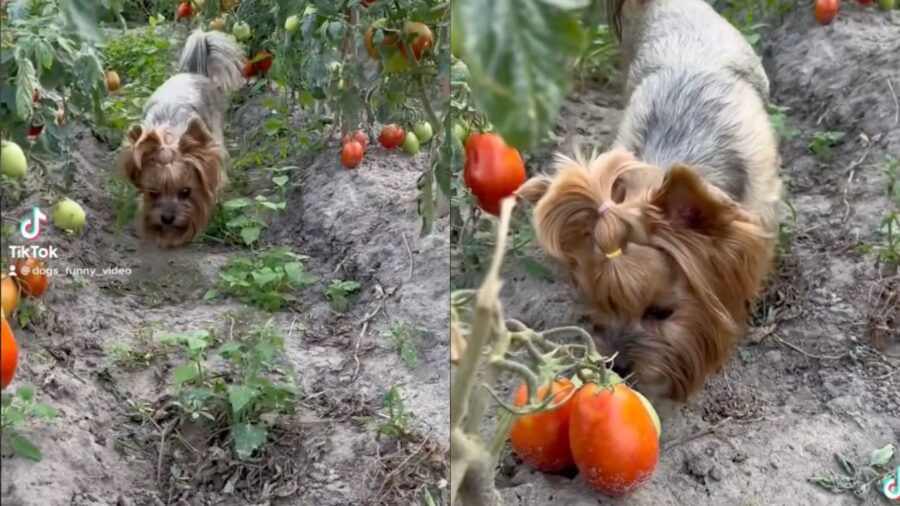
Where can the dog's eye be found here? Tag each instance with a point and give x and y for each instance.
(657, 313)
(184, 193)
(153, 195)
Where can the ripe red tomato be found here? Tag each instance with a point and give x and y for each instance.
(250, 69)
(826, 11)
(358, 136)
(542, 439)
(9, 354)
(35, 130)
(388, 40)
(613, 439)
(263, 61)
(391, 136)
(185, 10)
(493, 170)
(352, 154)
(31, 276)
(423, 41)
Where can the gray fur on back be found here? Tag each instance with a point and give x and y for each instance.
(689, 69)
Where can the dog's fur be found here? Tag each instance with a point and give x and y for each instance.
(176, 158)
(669, 235)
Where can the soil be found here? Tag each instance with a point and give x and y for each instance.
(113, 442)
(817, 373)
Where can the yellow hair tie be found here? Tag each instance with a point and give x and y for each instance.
(614, 254)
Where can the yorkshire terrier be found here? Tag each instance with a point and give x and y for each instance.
(669, 235)
(176, 158)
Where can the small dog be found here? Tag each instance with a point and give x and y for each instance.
(670, 234)
(176, 158)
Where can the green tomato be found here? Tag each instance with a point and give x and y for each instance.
(396, 64)
(461, 132)
(68, 215)
(886, 5)
(410, 144)
(424, 132)
(12, 160)
(292, 24)
(241, 31)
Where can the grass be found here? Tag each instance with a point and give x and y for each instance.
(407, 338)
(396, 422)
(822, 144)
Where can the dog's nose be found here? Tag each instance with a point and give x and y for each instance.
(168, 219)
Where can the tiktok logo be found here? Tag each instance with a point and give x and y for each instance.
(891, 486)
(30, 228)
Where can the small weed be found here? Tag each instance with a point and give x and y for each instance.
(407, 338)
(778, 118)
(858, 478)
(888, 249)
(142, 353)
(600, 59)
(29, 311)
(16, 409)
(241, 220)
(248, 393)
(265, 280)
(397, 423)
(822, 144)
(125, 201)
(338, 293)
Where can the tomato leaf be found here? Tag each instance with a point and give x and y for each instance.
(517, 53)
(25, 85)
(882, 456)
(185, 373)
(25, 448)
(250, 235)
(240, 396)
(247, 438)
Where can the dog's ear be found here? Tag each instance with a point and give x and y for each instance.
(141, 146)
(688, 203)
(195, 136)
(534, 189)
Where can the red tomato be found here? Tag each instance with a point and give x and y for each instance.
(614, 442)
(493, 170)
(263, 61)
(423, 41)
(391, 136)
(9, 354)
(352, 154)
(31, 276)
(542, 439)
(185, 10)
(35, 130)
(358, 136)
(249, 69)
(826, 11)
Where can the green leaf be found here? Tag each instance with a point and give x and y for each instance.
(280, 180)
(882, 456)
(250, 234)
(264, 276)
(25, 392)
(210, 294)
(82, 15)
(25, 448)
(25, 85)
(240, 396)
(236, 203)
(845, 464)
(518, 53)
(44, 411)
(44, 53)
(297, 275)
(185, 373)
(247, 439)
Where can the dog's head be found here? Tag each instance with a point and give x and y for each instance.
(179, 175)
(667, 264)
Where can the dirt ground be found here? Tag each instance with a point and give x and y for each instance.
(778, 414)
(359, 225)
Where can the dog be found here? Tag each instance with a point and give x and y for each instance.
(176, 157)
(669, 235)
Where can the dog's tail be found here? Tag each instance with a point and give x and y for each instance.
(214, 55)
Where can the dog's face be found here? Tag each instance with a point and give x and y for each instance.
(178, 177)
(666, 263)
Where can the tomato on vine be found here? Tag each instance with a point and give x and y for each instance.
(391, 136)
(541, 439)
(493, 170)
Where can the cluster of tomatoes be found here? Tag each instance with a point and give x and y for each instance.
(826, 10)
(30, 280)
(608, 431)
(391, 137)
(493, 170)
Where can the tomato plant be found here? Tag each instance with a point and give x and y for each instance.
(542, 439)
(613, 438)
